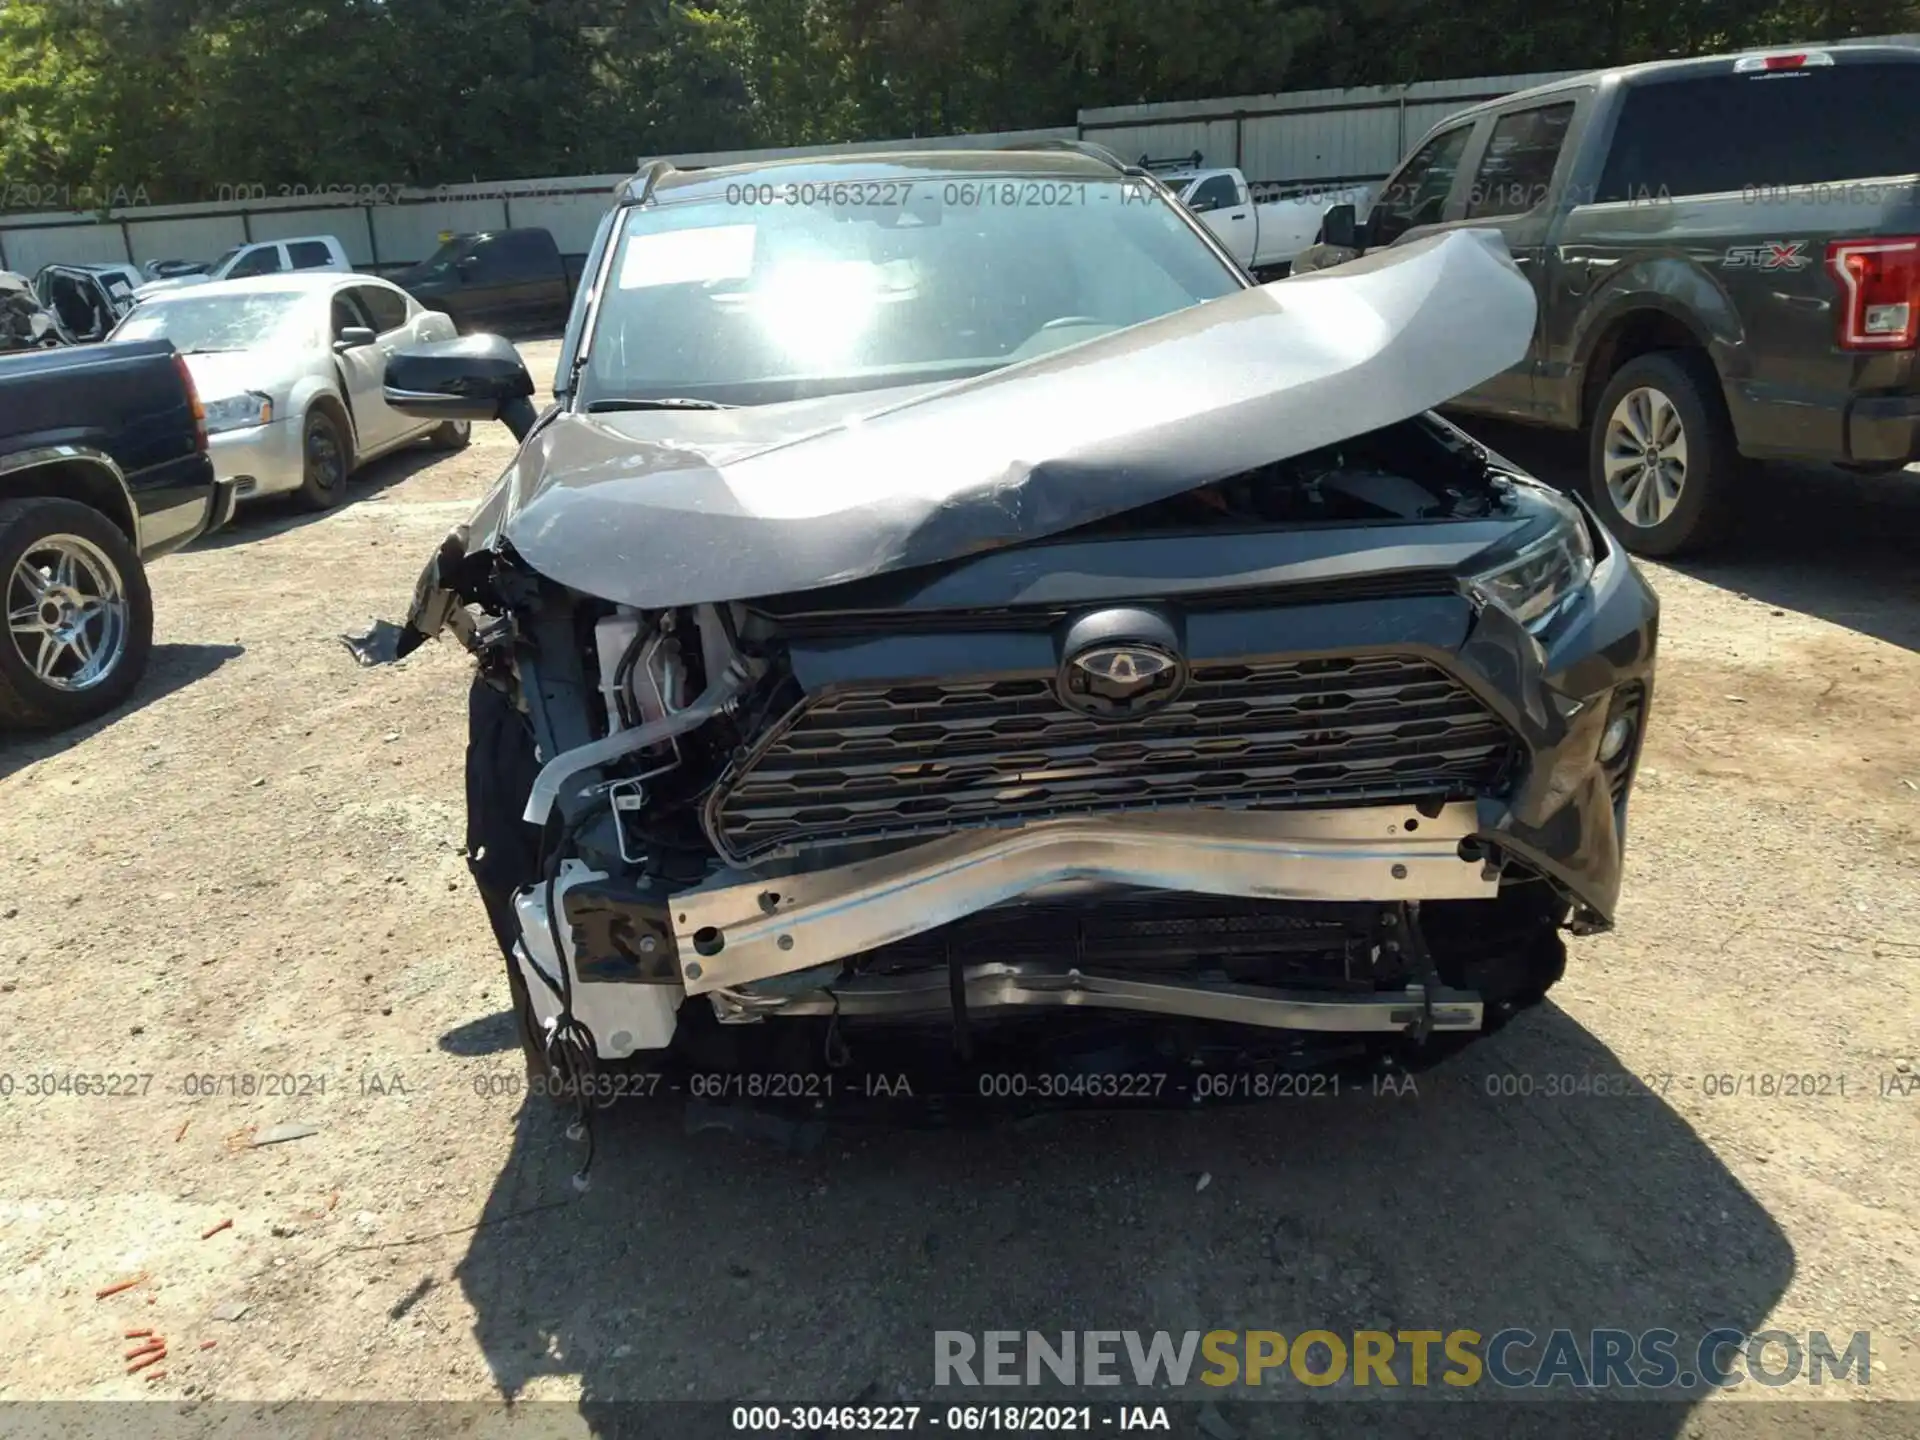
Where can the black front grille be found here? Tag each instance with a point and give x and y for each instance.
(866, 763)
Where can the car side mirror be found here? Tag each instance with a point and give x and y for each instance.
(353, 337)
(477, 377)
(1339, 227)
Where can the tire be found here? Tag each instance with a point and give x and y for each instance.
(71, 559)
(328, 461)
(451, 435)
(503, 851)
(1663, 411)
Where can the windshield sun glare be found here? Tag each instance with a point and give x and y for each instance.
(740, 304)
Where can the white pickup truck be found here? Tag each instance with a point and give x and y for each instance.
(1263, 236)
(261, 257)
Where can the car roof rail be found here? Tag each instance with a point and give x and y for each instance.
(1092, 149)
(640, 184)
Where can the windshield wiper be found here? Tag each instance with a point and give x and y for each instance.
(665, 402)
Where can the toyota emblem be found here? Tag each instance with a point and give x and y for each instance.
(1121, 680)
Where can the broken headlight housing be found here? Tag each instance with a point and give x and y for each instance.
(1536, 583)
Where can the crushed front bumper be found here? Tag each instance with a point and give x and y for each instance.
(1497, 875)
(768, 944)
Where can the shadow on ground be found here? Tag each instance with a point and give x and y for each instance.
(489, 1035)
(170, 668)
(281, 514)
(1809, 538)
(706, 1267)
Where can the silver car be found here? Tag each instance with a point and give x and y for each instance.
(290, 369)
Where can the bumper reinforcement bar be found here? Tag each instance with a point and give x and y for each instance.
(993, 987)
(739, 928)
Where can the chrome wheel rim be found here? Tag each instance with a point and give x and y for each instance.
(67, 613)
(1644, 457)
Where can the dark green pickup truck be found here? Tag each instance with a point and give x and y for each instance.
(1726, 256)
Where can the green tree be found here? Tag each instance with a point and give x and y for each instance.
(90, 99)
(175, 99)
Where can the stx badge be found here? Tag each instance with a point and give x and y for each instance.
(1772, 255)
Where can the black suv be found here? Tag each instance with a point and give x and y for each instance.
(958, 600)
(1726, 254)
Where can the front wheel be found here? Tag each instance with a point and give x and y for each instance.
(1661, 461)
(323, 452)
(503, 852)
(79, 615)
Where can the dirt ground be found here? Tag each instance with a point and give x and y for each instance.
(255, 871)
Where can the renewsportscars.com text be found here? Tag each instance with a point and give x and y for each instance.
(1514, 1358)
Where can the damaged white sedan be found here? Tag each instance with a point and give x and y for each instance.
(949, 610)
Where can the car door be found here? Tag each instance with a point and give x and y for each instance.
(531, 267)
(76, 299)
(1419, 197)
(363, 372)
(486, 284)
(547, 293)
(388, 317)
(529, 260)
(118, 289)
(261, 260)
(97, 295)
(309, 255)
(1513, 191)
(1227, 213)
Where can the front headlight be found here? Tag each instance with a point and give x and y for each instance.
(1536, 584)
(236, 412)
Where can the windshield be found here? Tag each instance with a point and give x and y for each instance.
(199, 324)
(225, 259)
(738, 297)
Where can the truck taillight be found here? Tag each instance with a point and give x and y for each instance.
(1879, 292)
(193, 403)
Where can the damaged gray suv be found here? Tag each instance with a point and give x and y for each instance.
(949, 610)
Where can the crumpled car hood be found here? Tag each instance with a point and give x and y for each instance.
(666, 509)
